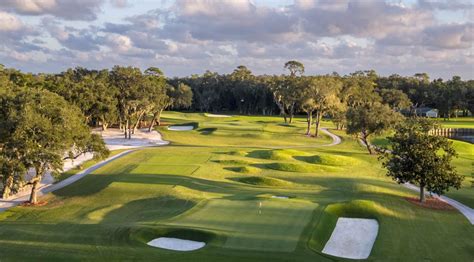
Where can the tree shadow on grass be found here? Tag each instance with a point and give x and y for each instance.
(207, 131)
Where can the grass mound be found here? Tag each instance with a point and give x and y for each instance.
(264, 181)
(301, 168)
(233, 162)
(238, 153)
(245, 169)
(329, 160)
(278, 154)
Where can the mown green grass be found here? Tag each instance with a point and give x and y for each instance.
(458, 122)
(189, 190)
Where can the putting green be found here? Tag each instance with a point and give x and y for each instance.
(262, 224)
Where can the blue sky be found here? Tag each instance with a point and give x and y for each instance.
(186, 37)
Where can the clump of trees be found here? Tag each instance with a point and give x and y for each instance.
(46, 118)
(422, 159)
(39, 130)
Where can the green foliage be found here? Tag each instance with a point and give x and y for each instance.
(420, 158)
(367, 120)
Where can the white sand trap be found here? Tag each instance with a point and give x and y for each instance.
(114, 139)
(180, 128)
(176, 244)
(214, 115)
(282, 197)
(352, 238)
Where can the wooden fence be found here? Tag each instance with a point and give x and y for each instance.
(465, 134)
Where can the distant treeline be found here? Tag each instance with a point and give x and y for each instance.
(95, 91)
(245, 93)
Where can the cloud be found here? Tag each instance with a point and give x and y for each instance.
(453, 36)
(9, 22)
(190, 36)
(65, 9)
(120, 3)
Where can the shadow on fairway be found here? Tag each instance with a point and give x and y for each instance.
(207, 131)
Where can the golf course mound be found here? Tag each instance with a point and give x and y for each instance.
(233, 162)
(329, 160)
(237, 153)
(278, 154)
(245, 169)
(263, 181)
(301, 168)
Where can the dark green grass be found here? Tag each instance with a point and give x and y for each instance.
(263, 181)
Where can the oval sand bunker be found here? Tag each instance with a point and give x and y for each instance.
(352, 238)
(281, 197)
(176, 244)
(216, 115)
(180, 128)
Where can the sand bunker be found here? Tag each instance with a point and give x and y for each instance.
(214, 115)
(281, 197)
(180, 128)
(352, 238)
(114, 139)
(176, 244)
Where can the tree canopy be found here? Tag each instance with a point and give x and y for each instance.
(420, 158)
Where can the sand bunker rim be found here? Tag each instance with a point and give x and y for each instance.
(176, 244)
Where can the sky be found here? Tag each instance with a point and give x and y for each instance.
(185, 37)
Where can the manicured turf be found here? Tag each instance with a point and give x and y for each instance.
(193, 189)
(458, 122)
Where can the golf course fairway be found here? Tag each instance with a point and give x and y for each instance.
(216, 184)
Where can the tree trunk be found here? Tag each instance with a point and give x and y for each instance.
(366, 142)
(125, 129)
(158, 117)
(129, 131)
(7, 188)
(104, 126)
(422, 193)
(292, 112)
(318, 121)
(33, 196)
(152, 123)
(308, 120)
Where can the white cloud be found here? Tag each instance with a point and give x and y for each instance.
(119, 42)
(33, 6)
(9, 22)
